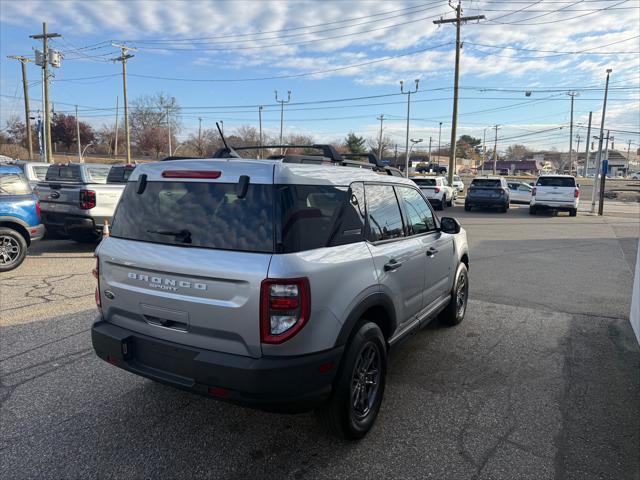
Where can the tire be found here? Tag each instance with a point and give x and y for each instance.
(84, 236)
(504, 209)
(467, 208)
(573, 212)
(454, 312)
(532, 210)
(338, 414)
(13, 249)
(440, 205)
(450, 203)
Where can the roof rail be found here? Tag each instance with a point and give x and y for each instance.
(370, 157)
(328, 151)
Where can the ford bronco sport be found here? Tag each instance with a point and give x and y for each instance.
(278, 284)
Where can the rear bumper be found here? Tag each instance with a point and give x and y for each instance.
(37, 232)
(285, 384)
(554, 205)
(485, 202)
(67, 223)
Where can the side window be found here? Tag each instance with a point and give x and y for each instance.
(385, 220)
(419, 214)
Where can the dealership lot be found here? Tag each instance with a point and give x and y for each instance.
(539, 381)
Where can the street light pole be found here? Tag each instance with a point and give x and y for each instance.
(484, 148)
(408, 94)
(413, 144)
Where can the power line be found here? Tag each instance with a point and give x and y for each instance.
(556, 21)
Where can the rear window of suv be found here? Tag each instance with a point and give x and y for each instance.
(427, 182)
(197, 214)
(270, 218)
(556, 182)
(486, 183)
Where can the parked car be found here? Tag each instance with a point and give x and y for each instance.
(490, 191)
(458, 184)
(519, 192)
(274, 285)
(76, 199)
(19, 217)
(635, 176)
(555, 192)
(436, 190)
(431, 167)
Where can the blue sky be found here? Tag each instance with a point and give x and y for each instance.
(363, 49)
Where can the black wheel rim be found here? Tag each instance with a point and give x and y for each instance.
(461, 295)
(9, 250)
(365, 381)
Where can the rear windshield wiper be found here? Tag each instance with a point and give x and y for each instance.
(183, 236)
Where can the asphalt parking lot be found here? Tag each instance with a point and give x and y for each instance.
(540, 381)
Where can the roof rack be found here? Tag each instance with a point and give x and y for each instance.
(328, 151)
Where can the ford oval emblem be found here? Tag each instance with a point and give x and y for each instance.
(55, 195)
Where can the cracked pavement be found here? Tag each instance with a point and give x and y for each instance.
(541, 380)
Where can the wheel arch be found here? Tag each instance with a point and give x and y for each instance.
(18, 227)
(377, 308)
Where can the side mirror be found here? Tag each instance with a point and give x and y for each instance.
(449, 225)
(578, 185)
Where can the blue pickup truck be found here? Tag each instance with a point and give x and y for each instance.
(19, 217)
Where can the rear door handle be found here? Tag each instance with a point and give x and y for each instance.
(392, 265)
(431, 252)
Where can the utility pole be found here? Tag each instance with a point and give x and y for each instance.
(381, 118)
(439, 138)
(586, 155)
(282, 102)
(25, 87)
(115, 147)
(430, 150)
(123, 59)
(495, 150)
(577, 150)
(168, 127)
(395, 154)
(484, 149)
(599, 158)
(78, 136)
(45, 36)
(572, 95)
(200, 137)
(408, 94)
(454, 123)
(628, 157)
(260, 128)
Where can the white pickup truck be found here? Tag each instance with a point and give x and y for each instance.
(77, 198)
(437, 191)
(555, 192)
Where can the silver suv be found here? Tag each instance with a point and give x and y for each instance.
(274, 284)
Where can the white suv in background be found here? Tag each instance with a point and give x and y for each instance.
(555, 192)
(437, 191)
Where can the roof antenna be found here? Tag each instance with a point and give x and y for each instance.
(231, 151)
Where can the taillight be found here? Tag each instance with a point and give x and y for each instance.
(285, 305)
(38, 211)
(533, 192)
(576, 193)
(437, 189)
(87, 199)
(502, 191)
(96, 274)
